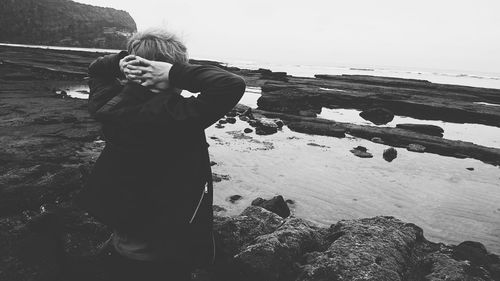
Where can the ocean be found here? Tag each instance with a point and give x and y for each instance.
(454, 77)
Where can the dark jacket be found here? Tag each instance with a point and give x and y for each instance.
(153, 177)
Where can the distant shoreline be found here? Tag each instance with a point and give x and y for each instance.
(471, 79)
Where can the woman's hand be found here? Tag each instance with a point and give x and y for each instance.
(123, 64)
(151, 74)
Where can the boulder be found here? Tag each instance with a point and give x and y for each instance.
(247, 130)
(367, 249)
(234, 233)
(477, 255)
(222, 121)
(266, 126)
(423, 128)
(252, 122)
(231, 120)
(276, 205)
(265, 130)
(244, 118)
(390, 154)
(378, 116)
(273, 256)
(219, 126)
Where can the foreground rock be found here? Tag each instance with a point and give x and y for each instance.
(379, 248)
(256, 245)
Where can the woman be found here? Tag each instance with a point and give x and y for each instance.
(152, 182)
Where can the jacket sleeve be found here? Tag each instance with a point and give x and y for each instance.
(103, 84)
(219, 91)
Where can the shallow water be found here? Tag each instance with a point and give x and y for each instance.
(328, 183)
(80, 91)
(476, 133)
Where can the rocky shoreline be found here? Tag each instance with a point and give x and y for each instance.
(48, 143)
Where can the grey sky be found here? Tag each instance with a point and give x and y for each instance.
(441, 34)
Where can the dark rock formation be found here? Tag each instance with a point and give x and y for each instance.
(63, 23)
(271, 75)
(274, 256)
(276, 205)
(265, 126)
(390, 154)
(378, 116)
(379, 248)
(432, 130)
(231, 120)
(361, 152)
(403, 97)
(247, 130)
(331, 130)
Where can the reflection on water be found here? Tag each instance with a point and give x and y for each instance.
(78, 91)
(486, 103)
(252, 94)
(250, 97)
(476, 133)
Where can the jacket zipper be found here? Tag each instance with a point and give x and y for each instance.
(205, 190)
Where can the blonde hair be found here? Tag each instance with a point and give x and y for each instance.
(159, 45)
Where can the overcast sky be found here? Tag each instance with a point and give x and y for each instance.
(440, 34)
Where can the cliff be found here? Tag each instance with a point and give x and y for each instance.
(63, 23)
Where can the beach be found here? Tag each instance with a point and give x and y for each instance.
(451, 190)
